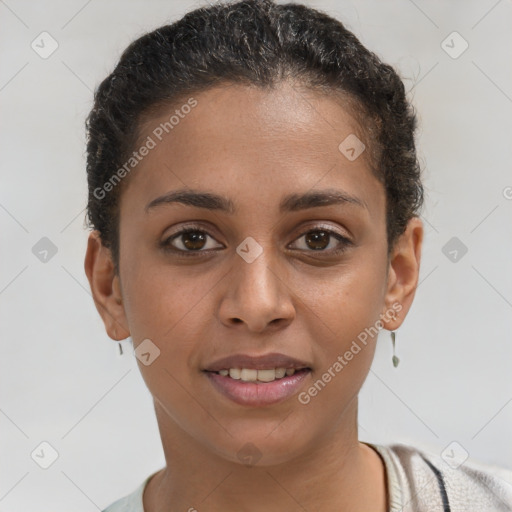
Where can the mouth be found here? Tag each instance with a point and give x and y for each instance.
(257, 380)
(267, 363)
(259, 375)
(258, 388)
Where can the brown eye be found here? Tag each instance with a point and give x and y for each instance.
(190, 240)
(193, 240)
(323, 241)
(317, 240)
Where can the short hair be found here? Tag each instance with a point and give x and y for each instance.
(256, 43)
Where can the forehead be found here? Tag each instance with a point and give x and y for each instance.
(248, 142)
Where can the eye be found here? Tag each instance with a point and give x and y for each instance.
(192, 240)
(324, 240)
(188, 241)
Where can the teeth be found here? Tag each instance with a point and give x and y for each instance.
(248, 375)
(251, 375)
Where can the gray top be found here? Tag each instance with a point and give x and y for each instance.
(416, 482)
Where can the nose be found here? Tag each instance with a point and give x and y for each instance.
(257, 295)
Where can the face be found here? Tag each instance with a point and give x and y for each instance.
(289, 257)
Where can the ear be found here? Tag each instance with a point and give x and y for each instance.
(105, 287)
(403, 274)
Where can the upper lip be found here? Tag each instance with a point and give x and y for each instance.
(273, 360)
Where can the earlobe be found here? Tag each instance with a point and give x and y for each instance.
(403, 274)
(105, 287)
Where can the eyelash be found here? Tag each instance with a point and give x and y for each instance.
(167, 246)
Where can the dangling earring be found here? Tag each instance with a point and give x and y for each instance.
(119, 301)
(118, 343)
(395, 358)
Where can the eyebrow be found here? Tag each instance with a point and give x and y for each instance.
(290, 203)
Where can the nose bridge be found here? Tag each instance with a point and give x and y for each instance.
(254, 269)
(256, 293)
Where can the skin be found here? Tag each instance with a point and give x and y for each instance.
(255, 147)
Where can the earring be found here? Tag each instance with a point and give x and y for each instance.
(118, 344)
(395, 358)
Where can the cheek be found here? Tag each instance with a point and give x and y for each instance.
(343, 321)
(347, 298)
(163, 300)
(342, 315)
(172, 312)
(172, 307)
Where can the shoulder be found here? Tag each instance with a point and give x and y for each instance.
(447, 481)
(131, 502)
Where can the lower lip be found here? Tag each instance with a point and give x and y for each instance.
(258, 393)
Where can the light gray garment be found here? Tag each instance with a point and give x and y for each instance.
(416, 482)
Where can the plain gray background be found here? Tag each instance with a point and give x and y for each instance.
(62, 379)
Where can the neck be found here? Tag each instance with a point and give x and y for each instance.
(337, 472)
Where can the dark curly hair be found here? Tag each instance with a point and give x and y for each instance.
(257, 43)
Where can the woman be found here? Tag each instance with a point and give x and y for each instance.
(255, 194)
